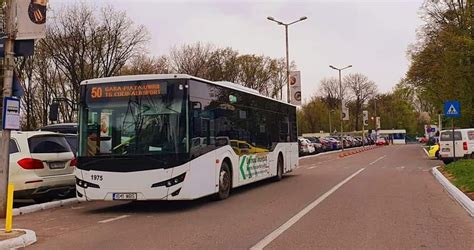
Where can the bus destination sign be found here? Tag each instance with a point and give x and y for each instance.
(124, 90)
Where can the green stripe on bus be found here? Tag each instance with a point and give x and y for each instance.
(242, 166)
(248, 166)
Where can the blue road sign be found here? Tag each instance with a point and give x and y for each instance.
(452, 109)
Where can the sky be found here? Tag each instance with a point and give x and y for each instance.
(371, 35)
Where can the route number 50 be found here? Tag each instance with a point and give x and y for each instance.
(96, 92)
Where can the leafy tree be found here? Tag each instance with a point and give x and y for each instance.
(442, 61)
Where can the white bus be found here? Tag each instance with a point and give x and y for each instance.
(397, 136)
(178, 137)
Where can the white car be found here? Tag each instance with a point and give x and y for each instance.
(41, 165)
(464, 141)
(306, 147)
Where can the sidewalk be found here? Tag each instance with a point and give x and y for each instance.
(18, 238)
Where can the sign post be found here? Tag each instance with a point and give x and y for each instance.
(452, 109)
(7, 92)
(24, 20)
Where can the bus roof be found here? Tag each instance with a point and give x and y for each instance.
(127, 78)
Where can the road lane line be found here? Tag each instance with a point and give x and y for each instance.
(380, 158)
(312, 167)
(273, 235)
(114, 219)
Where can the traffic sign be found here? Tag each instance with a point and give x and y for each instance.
(452, 109)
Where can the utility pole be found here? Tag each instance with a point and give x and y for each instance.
(287, 54)
(342, 99)
(9, 65)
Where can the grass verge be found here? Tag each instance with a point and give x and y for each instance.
(461, 174)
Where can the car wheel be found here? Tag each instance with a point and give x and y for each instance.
(447, 161)
(225, 182)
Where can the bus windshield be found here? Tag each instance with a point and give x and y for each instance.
(134, 118)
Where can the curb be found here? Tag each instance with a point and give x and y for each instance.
(459, 196)
(22, 241)
(44, 206)
(356, 151)
(319, 154)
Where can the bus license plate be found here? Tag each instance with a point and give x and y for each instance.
(445, 150)
(124, 196)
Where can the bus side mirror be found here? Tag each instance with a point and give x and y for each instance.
(53, 111)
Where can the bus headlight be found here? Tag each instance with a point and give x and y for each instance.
(85, 184)
(171, 182)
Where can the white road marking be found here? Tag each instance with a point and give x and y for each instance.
(114, 219)
(380, 158)
(273, 235)
(312, 167)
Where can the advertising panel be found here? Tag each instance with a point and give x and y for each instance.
(31, 19)
(295, 87)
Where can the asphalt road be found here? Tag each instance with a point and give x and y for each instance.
(384, 198)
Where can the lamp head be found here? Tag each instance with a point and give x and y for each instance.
(271, 18)
(303, 18)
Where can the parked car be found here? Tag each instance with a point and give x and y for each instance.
(381, 141)
(318, 146)
(464, 144)
(65, 128)
(243, 147)
(326, 144)
(72, 141)
(305, 146)
(41, 165)
(335, 144)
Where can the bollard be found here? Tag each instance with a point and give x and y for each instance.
(9, 215)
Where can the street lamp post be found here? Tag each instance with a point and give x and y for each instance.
(342, 98)
(329, 114)
(287, 54)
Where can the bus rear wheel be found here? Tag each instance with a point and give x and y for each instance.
(279, 175)
(225, 182)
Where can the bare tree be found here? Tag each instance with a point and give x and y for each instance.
(81, 43)
(144, 64)
(191, 59)
(262, 73)
(330, 91)
(361, 90)
(84, 44)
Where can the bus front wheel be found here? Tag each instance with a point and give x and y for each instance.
(225, 182)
